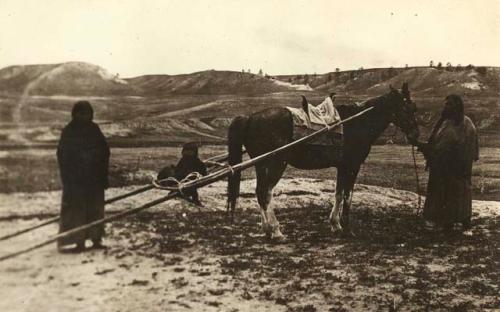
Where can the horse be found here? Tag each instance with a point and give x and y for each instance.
(272, 128)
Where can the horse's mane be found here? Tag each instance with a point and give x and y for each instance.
(352, 108)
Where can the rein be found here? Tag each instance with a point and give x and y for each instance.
(419, 205)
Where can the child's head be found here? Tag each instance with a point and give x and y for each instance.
(190, 150)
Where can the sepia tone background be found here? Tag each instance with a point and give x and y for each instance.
(162, 73)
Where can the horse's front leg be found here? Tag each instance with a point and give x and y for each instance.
(337, 206)
(350, 179)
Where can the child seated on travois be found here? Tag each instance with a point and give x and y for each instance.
(188, 163)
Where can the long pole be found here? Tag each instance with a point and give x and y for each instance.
(89, 225)
(140, 190)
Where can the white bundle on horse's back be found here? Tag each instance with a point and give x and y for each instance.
(324, 113)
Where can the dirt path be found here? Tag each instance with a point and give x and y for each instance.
(177, 258)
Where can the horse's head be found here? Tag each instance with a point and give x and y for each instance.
(404, 112)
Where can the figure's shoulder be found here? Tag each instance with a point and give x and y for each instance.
(95, 126)
(67, 129)
(96, 129)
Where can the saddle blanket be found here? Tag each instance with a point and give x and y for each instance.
(319, 116)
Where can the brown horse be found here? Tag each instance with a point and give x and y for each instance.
(269, 129)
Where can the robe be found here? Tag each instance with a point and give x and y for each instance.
(83, 157)
(450, 157)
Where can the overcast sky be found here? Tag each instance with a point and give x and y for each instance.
(281, 37)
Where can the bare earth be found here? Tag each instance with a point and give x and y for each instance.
(176, 257)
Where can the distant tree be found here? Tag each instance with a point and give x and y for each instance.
(267, 76)
(406, 66)
(439, 65)
(306, 78)
(469, 67)
(449, 67)
(361, 68)
(337, 72)
(431, 64)
(329, 78)
(458, 67)
(298, 77)
(290, 80)
(261, 73)
(352, 74)
(243, 70)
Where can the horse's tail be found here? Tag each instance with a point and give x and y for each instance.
(235, 139)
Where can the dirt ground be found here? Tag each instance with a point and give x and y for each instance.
(176, 257)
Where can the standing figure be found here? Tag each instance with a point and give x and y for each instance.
(450, 152)
(83, 157)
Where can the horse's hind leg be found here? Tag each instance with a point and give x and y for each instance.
(268, 176)
(337, 205)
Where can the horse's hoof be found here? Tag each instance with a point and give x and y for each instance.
(336, 229)
(279, 238)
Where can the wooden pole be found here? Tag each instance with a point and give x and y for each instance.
(89, 225)
(143, 189)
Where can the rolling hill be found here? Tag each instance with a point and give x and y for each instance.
(425, 81)
(206, 82)
(72, 78)
(78, 78)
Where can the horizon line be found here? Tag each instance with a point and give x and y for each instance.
(255, 73)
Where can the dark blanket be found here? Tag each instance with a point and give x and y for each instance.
(322, 152)
(450, 156)
(83, 157)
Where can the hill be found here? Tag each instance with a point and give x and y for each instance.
(72, 78)
(78, 78)
(207, 82)
(424, 81)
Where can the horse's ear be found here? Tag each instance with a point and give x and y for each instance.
(304, 100)
(305, 105)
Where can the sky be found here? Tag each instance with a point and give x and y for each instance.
(133, 38)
